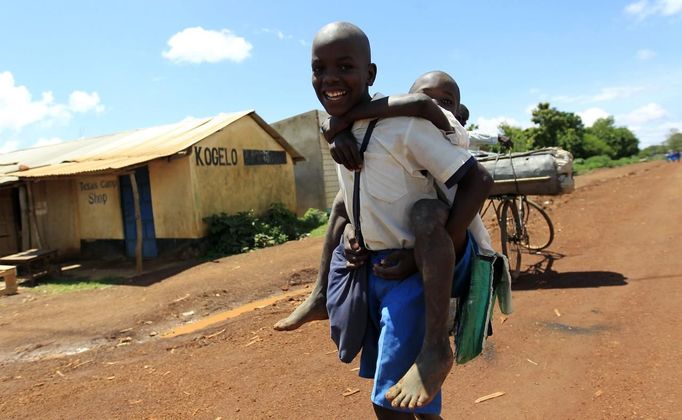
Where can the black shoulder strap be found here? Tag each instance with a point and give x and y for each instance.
(356, 186)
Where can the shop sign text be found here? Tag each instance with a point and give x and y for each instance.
(215, 156)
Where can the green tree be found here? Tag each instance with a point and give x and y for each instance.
(557, 128)
(621, 140)
(572, 139)
(594, 146)
(674, 140)
(652, 151)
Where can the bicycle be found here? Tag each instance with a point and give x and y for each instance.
(523, 223)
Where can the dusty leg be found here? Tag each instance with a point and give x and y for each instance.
(314, 307)
(435, 256)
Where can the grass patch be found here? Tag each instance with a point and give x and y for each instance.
(583, 166)
(319, 231)
(58, 285)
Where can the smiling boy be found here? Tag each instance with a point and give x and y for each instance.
(430, 96)
(392, 182)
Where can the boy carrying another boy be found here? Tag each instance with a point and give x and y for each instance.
(431, 96)
(407, 357)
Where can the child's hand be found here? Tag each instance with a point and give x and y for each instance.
(332, 126)
(344, 151)
(505, 141)
(397, 265)
(355, 254)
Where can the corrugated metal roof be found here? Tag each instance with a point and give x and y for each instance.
(40, 156)
(126, 149)
(8, 179)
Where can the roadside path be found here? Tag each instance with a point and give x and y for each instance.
(595, 333)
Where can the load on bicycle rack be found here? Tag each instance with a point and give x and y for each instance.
(546, 171)
(524, 224)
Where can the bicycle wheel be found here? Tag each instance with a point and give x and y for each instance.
(539, 229)
(511, 230)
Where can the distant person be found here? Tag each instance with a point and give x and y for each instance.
(462, 114)
(477, 138)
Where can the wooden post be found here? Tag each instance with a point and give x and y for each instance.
(138, 223)
(25, 223)
(32, 215)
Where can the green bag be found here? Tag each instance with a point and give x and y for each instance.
(490, 280)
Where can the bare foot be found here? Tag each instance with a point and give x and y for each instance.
(424, 379)
(312, 309)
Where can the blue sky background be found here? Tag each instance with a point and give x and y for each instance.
(75, 69)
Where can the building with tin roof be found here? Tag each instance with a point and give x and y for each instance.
(80, 197)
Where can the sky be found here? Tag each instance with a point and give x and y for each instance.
(74, 69)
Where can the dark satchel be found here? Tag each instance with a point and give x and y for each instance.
(347, 289)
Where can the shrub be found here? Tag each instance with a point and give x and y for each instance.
(581, 166)
(314, 218)
(244, 231)
(279, 221)
(231, 234)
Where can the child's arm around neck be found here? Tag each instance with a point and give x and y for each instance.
(407, 105)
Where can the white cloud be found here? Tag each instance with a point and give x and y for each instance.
(616, 92)
(655, 134)
(645, 54)
(491, 125)
(637, 8)
(672, 7)
(645, 8)
(671, 125)
(47, 141)
(80, 101)
(198, 45)
(569, 99)
(643, 115)
(19, 109)
(9, 146)
(590, 115)
(604, 95)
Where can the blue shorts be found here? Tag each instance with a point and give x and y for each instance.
(395, 331)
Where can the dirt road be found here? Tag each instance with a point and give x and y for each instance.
(596, 332)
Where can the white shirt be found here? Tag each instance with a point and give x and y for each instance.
(392, 178)
(476, 139)
(459, 136)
